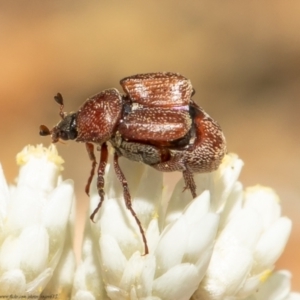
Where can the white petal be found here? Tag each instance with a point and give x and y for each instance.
(24, 209)
(34, 248)
(221, 181)
(250, 286)
(88, 274)
(147, 200)
(271, 244)
(232, 258)
(115, 293)
(190, 238)
(113, 260)
(56, 212)
(83, 295)
(39, 283)
(197, 208)
(244, 229)
(233, 205)
(62, 279)
(201, 239)
(178, 201)
(131, 273)
(10, 254)
(12, 281)
(87, 278)
(171, 246)
(265, 201)
(152, 235)
(138, 275)
(147, 275)
(228, 268)
(277, 287)
(177, 283)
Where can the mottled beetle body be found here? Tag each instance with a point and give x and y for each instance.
(155, 122)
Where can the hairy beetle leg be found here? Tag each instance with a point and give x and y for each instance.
(100, 178)
(189, 182)
(127, 198)
(90, 151)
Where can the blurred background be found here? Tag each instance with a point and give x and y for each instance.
(243, 59)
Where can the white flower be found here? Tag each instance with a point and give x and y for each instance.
(36, 221)
(112, 249)
(251, 237)
(244, 229)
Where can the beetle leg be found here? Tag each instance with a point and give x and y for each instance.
(90, 151)
(100, 178)
(189, 182)
(127, 198)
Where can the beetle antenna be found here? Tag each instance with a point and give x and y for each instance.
(44, 130)
(59, 99)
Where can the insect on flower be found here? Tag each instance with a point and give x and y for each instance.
(155, 122)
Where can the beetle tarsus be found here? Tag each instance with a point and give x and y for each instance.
(96, 210)
(189, 182)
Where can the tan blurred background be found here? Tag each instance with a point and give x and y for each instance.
(243, 59)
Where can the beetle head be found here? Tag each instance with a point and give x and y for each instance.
(66, 129)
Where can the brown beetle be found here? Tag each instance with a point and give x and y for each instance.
(155, 122)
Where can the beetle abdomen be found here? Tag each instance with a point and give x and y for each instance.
(206, 149)
(209, 146)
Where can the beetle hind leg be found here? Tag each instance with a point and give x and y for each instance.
(189, 181)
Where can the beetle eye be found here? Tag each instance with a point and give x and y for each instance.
(63, 135)
(72, 135)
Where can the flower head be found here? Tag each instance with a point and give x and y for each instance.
(251, 239)
(36, 216)
(221, 245)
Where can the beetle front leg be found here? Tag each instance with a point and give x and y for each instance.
(189, 181)
(90, 151)
(127, 198)
(100, 177)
